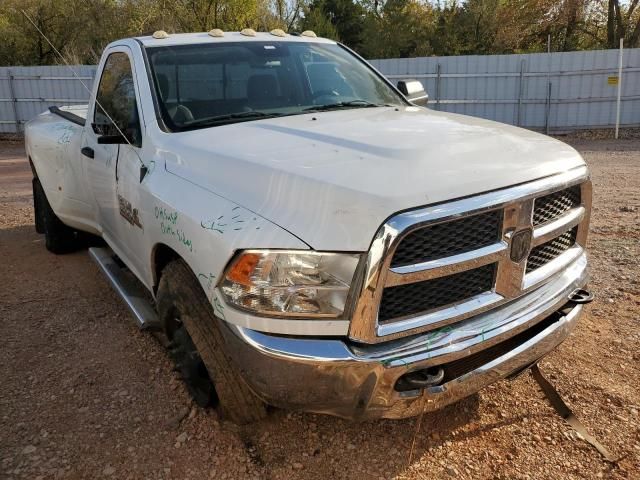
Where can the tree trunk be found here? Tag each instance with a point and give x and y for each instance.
(572, 21)
(634, 39)
(619, 21)
(611, 25)
(635, 35)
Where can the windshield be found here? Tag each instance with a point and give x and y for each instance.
(207, 85)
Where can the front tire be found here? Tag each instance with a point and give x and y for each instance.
(191, 325)
(59, 238)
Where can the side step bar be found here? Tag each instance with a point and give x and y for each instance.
(128, 287)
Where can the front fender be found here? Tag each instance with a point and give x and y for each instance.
(204, 229)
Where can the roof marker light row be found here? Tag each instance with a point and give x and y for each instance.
(247, 32)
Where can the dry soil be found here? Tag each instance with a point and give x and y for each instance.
(84, 394)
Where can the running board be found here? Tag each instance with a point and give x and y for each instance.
(128, 287)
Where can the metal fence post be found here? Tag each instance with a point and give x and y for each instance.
(14, 102)
(520, 92)
(619, 87)
(438, 69)
(547, 109)
(547, 112)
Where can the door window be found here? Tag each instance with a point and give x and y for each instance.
(116, 95)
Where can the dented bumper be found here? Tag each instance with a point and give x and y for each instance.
(337, 377)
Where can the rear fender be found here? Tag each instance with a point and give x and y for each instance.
(51, 142)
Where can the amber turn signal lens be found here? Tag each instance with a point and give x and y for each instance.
(290, 283)
(243, 268)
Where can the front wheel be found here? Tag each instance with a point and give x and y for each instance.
(197, 347)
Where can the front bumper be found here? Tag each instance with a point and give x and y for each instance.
(336, 377)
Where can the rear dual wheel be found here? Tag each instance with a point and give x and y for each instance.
(59, 238)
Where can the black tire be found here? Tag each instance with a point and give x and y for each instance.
(37, 206)
(193, 329)
(59, 238)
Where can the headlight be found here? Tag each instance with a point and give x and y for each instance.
(290, 283)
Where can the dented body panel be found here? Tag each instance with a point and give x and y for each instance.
(335, 181)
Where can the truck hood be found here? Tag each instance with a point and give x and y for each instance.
(333, 178)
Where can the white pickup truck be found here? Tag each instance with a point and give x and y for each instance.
(303, 234)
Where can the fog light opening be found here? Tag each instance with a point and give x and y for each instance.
(419, 379)
(581, 296)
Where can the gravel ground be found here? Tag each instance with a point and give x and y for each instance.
(84, 394)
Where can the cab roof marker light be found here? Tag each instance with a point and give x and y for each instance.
(309, 33)
(160, 35)
(248, 32)
(277, 32)
(216, 32)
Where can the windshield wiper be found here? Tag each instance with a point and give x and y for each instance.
(203, 122)
(349, 104)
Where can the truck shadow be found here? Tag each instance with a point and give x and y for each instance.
(329, 447)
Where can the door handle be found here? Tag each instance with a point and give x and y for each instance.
(87, 152)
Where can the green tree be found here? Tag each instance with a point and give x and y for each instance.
(446, 38)
(398, 28)
(623, 21)
(203, 15)
(344, 17)
(316, 20)
(22, 44)
(79, 29)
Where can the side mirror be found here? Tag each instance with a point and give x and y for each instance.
(111, 139)
(414, 92)
(107, 134)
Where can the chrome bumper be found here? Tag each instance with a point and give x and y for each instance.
(357, 381)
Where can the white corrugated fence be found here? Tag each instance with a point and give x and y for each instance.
(557, 91)
(564, 91)
(27, 91)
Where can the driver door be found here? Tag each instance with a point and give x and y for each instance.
(110, 173)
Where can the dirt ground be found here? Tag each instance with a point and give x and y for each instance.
(84, 394)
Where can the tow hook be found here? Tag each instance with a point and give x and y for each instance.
(580, 296)
(420, 379)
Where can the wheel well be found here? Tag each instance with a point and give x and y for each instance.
(162, 255)
(33, 168)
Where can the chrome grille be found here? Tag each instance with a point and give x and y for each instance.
(550, 207)
(419, 297)
(439, 265)
(449, 238)
(545, 253)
